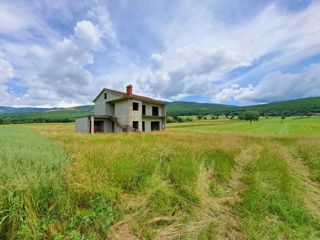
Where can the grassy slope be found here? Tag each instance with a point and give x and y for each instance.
(192, 184)
(295, 107)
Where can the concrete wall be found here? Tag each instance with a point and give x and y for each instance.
(147, 123)
(162, 109)
(121, 111)
(101, 106)
(108, 126)
(135, 115)
(83, 125)
(148, 120)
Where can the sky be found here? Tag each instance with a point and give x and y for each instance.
(62, 53)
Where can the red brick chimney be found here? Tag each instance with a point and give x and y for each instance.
(129, 90)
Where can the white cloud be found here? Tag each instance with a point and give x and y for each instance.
(59, 74)
(6, 70)
(276, 86)
(13, 18)
(88, 34)
(19, 21)
(200, 51)
(100, 14)
(188, 70)
(195, 49)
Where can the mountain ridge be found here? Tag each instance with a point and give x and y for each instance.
(294, 107)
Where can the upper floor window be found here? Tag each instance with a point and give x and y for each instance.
(105, 95)
(143, 109)
(135, 106)
(155, 111)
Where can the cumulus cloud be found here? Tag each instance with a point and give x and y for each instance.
(88, 34)
(100, 14)
(197, 49)
(13, 18)
(199, 54)
(19, 21)
(276, 86)
(191, 70)
(59, 73)
(6, 72)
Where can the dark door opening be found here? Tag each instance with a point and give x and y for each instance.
(112, 109)
(155, 126)
(98, 126)
(143, 126)
(143, 109)
(112, 126)
(155, 111)
(135, 124)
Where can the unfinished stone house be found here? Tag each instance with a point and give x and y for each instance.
(116, 111)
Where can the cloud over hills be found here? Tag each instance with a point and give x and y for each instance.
(61, 55)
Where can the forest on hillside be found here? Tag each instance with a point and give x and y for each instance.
(298, 107)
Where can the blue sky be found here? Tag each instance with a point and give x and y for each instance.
(61, 53)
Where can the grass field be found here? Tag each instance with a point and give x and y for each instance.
(272, 126)
(218, 179)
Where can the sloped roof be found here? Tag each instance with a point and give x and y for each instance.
(133, 96)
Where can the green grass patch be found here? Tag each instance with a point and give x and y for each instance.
(221, 162)
(310, 154)
(272, 126)
(35, 201)
(271, 207)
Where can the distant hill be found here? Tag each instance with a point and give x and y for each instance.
(179, 108)
(293, 107)
(4, 110)
(48, 115)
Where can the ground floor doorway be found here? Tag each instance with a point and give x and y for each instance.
(155, 126)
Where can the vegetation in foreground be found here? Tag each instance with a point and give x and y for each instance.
(185, 183)
(35, 200)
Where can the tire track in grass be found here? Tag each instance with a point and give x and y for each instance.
(229, 221)
(272, 205)
(309, 188)
(215, 217)
(206, 211)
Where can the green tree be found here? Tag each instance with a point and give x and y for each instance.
(178, 119)
(170, 119)
(249, 116)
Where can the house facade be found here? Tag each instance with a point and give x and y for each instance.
(116, 111)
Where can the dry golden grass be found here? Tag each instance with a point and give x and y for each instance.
(181, 184)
